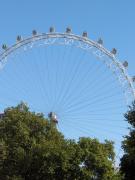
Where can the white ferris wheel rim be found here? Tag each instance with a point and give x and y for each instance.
(84, 43)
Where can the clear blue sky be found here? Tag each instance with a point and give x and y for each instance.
(113, 20)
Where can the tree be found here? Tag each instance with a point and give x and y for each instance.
(97, 159)
(128, 159)
(31, 148)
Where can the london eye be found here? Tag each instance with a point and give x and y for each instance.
(80, 84)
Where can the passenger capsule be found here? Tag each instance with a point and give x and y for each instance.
(4, 46)
(85, 34)
(125, 64)
(34, 32)
(68, 30)
(19, 38)
(114, 51)
(53, 117)
(52, 29)
(100, 41)
(133, 78)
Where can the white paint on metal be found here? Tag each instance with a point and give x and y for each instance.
(87, 44)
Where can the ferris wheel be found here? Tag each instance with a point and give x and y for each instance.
(83, 87)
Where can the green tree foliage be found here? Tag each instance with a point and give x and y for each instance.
(128, 159)
(31, 148)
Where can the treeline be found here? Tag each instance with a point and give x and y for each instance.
(31, 148)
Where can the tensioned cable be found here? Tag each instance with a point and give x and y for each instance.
(85, 95)
(89, 83)
(116, 140)
(30, 71)
(91, 103)
(83, 104)
(96, 129)
(64, 35)
(61, 82)
(39, 59)
(89, 120)
(33, 70)
(63, 87)
(55, 87)
(69, 98)
(69, 83)
(75, 75)
(11, 84)
(108, 130)
(76, 87)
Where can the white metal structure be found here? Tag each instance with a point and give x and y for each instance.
(84, 43)
(68, 39)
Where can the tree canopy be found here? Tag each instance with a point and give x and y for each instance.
(31, 148)
(128, 159)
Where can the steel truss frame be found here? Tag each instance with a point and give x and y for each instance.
(107, 57)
